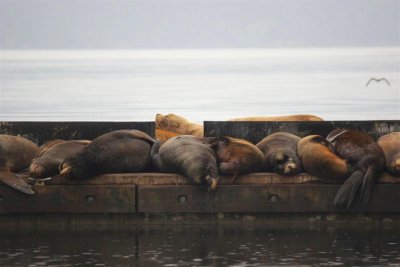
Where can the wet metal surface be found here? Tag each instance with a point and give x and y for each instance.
(203, 246)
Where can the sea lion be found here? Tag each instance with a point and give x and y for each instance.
(280, 118)
(366, 160)
(52, 155)
(121, 151)
(47, 145)
(189, 156)
(176, 125)
(390, 145)
(16, 153)
(280, 153)
(318, 158)
(236, 156)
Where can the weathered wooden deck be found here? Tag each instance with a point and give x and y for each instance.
(172, 193)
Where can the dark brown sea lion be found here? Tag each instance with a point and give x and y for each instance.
(189, 156)
(390, 145)
(280, 118)
(366, 160)
(280, 153)
(16, 153)
(120, 151)
(318, 159)
(236, 156)
(51, 156)
(174, 125)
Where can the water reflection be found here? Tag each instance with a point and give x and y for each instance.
(202, 246)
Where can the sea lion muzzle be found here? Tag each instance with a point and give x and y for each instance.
(213, 182)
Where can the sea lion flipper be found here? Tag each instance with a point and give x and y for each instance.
(142, 136)
(368, 185)
(16, 182)
(335, 134)
(348, 191)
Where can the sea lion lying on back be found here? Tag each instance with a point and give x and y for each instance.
(280, 153)
(189, 156)
(236, 156)
(16, 153)
(366, 159)
(318, 158)
(120, 151)
(390, 145)
(280, 118)
(173, 125)
(52, 155)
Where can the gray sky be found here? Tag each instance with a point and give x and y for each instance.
(197, 24)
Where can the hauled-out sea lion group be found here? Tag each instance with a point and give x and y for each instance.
(345, 156)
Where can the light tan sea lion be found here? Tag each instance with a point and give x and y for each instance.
(236, 156)
(390, 145)
(187, 155)
(51, 156)
(121, 151)
(174, 124)
(16, 153)
(280, 153)
(319, 159)
(280, 118)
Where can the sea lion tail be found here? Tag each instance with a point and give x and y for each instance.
(348, 191)
(16, 182)
(368, 185)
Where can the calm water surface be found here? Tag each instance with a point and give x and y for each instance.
(203, 246)
(202, 85)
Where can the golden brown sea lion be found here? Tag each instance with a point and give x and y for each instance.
(318, 158)
(390, 145)
(280, 153)
(366, 160)
(16, 153)
(47, 145)
(189, 156)
(52, 155)
(173, 124)
(120, 151)
(236, 156)
(280, 118)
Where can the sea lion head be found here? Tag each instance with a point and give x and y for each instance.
(396, 166)
(74, 168)
(170, 122)
(39, 169)
(286, 164)
(207, 176)
(212, 182)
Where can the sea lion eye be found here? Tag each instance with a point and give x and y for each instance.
(281, 160)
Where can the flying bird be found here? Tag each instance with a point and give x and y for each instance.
(377, 80)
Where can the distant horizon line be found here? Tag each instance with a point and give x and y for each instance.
(211, 48)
